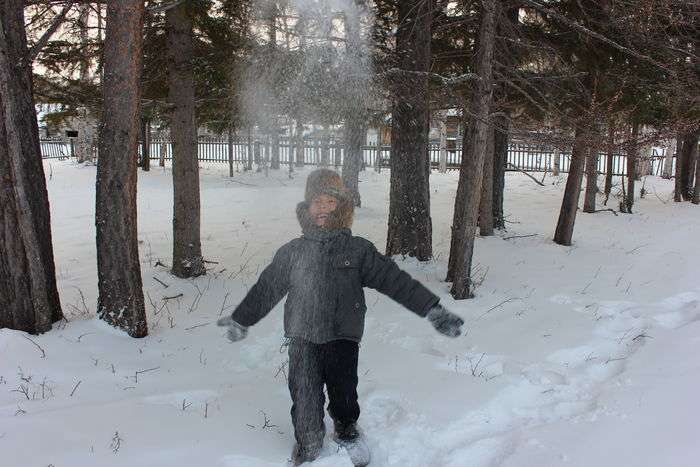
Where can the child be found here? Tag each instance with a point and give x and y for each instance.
(323, 274)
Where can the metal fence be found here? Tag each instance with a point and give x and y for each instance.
(521, 155)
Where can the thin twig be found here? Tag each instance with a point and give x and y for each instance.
(522, 171)
(174, 297)
(75, 387)
(160, 282)
(43, 354)
(519, 236)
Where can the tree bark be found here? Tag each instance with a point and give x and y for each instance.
(187, 249)
(696, 189)
(410, 226)
(28, 294)
(275, 147)
(299, 140)
(471, 171)
(120, 300)
(609, 162)
(230, 148)
(443, 147)
(355, 134)
(632, 156)
(589, 201)
(355, 113)
(690, 143)
(569, 205)
(678, 180)
(500, 154)
(486, 202)
(460, 196)
(145, 144)
(556, 167)
(668, 159)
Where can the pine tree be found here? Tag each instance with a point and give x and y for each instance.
(28, 295)
(120, 301)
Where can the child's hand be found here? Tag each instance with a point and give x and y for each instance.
(236, 332)
(445, 322)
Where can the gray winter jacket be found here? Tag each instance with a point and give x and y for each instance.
(323, 273)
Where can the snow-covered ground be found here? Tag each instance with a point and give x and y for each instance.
(573, 356)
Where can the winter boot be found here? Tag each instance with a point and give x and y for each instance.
(348, 437)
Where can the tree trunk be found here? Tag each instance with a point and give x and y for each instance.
(146, 144)
(356, 113)
(678, 181)
(486, 202)
(187, 249)
(325, 147)
(609, 163)
(299, 133)
(162, 153)
(86, 130)
(120, 301)
(28, 295)
(589, 201)
(460, 196)
(443, 147)
(471, 171)
(556, 167)
(670, 151)
(500, 154)
(696, 189)
(250, 152)
(569, 205)
(410, 226)
(643, 163)
(275, 148)
(690, 144)
(632, 156)
(355, 134)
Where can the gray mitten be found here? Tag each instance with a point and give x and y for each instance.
(236, 332)
(445, 322)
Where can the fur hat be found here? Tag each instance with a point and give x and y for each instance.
(329, 182)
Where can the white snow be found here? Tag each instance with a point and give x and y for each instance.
(577, 356)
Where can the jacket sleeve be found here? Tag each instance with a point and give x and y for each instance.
(381, 273)
(271, 287)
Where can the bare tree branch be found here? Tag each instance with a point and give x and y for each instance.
(580, 28)
(55, 23)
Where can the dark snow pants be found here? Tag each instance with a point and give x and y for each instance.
(310, 367)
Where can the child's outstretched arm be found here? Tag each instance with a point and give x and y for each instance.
(271, 287)
(381, 273)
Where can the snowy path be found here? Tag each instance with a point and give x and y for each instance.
(574, 356)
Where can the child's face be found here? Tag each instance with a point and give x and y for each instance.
(321, 207)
